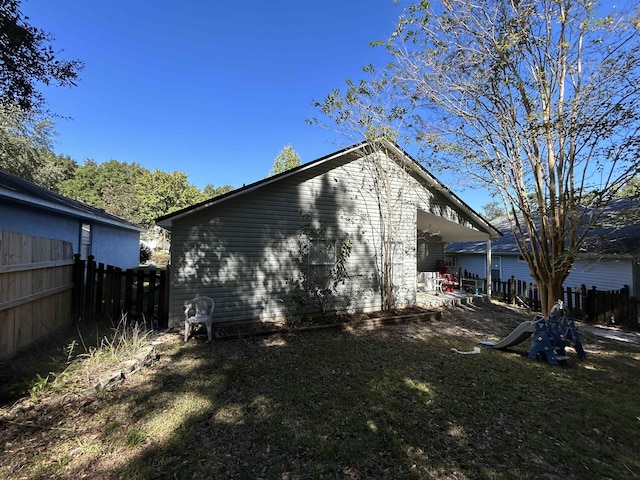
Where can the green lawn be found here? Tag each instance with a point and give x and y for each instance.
(393, 402)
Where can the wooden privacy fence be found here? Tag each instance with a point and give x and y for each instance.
(36, 282)
(105, 291)
(591, 305)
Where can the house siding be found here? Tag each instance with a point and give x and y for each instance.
(110, 245)
(473, 264)
(430, 251)
(115, 246)
(243, 253)
(39, 223)
(603, 273)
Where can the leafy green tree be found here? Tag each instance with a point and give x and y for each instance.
(631, 189)
(160, 193)
(55, 170)
(210, 191)
(120, 199)
(27, 58)
(90, 179)
(287, 159)
(492, 210)
(25, 139)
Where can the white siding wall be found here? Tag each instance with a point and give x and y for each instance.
(242, 252)
(603, 273)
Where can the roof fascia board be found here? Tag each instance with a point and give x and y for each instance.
(30, 200)
(167, 220)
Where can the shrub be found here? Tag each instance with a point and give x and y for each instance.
(145, 253)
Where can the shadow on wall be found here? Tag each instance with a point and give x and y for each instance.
(245, 253)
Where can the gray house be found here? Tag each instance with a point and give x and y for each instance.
(248, 249)
(609, 260)
(28, 208)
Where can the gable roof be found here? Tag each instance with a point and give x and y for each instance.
(20, 191)
(166, 221)
(614, 235)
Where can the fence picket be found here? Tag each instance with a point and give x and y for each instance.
(591, 305)
(100, 293)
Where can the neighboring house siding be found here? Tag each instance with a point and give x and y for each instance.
(473, 264)
(115, 246)
(243, 251)
(603, 273)
(512, 267)
(110, 245)
(39, 223)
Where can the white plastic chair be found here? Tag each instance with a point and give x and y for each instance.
(198, 311)
(429, 282)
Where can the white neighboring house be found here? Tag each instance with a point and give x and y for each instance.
(28, 208)
(609, 261)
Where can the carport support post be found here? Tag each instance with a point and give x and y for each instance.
(488, 292)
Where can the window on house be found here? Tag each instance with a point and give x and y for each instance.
(450, 261)
(322, 258)
(85, 240)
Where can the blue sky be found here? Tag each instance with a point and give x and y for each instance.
(214, 89)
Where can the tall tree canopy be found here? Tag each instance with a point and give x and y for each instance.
(160, 193)
(91, 180)
(133, 192)
(27, 58)
(535, 99)
(287, 159)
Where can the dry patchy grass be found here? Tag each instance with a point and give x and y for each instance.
(390, 402)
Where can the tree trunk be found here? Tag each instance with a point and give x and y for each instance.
(550, 293)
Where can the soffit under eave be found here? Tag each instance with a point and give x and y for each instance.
(449, 231)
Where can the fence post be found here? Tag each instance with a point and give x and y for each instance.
(116, 306)
(511, 290)
(99, 308)
(90, 287)
(163, 298)
(128, 287)
(108, 291)
(625, 300)
(591, 305)
(140, 291)
(151, 299)
(77, 295)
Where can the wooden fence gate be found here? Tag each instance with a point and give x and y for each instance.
(104, 291)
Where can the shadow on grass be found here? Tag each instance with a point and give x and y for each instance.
(389, 403)
(362, 406)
